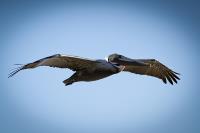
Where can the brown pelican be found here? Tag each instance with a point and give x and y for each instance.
(91, 70)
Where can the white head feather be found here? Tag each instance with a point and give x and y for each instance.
(106, 58)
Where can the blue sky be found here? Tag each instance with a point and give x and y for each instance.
(37, 100)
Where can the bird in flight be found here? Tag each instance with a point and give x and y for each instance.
(92, 70)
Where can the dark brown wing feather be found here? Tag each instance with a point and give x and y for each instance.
(154, 68)
(61, 61)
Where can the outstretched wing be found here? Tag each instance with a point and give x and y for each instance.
(154, 68)
(74, 63)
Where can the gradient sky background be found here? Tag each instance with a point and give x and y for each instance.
(37, 100)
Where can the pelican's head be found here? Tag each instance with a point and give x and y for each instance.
(122, 60)
(114, 57)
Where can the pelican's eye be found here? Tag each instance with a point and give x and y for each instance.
(119, 56)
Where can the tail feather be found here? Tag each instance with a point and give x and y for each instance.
(68, 82)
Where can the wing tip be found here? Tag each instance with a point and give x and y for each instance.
(171, 80)
(16, 70)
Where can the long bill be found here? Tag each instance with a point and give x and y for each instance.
(127, 61)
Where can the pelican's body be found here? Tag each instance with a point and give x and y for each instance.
(91, 70)
(102, 70)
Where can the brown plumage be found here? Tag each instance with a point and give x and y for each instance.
(156, 69)
(91, 70)
(150, 67)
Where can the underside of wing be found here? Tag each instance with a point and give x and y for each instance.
(154, 68)
(74, 63)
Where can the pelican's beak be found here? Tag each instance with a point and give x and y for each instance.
(127, 61)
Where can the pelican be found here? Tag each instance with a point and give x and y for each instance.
(92, 70)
